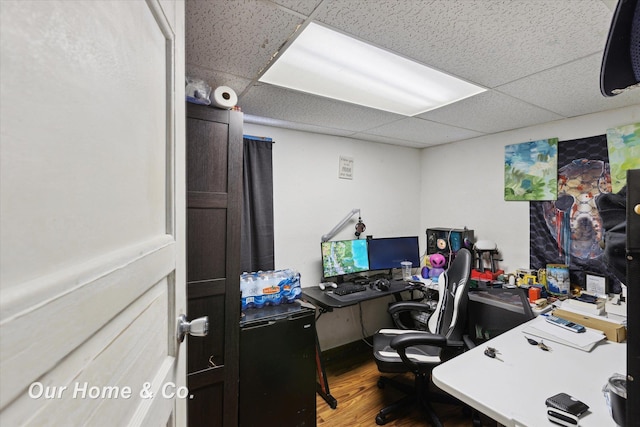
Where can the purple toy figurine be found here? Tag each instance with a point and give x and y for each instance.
(437, 263)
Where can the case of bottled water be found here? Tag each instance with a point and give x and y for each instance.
(269, 288)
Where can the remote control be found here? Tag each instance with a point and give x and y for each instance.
(563, 323)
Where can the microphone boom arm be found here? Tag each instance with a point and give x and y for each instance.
(341, 224)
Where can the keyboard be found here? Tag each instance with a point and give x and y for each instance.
(349, 288)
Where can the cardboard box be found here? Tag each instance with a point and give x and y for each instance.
(614, 331)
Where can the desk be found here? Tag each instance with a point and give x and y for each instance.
(513, 391)
(326, 303)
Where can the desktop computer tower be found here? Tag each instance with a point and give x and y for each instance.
(278, 367)
(447, 241)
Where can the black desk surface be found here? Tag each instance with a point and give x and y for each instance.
(273, 312)
(327, 301)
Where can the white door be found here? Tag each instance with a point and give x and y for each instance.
(92, 243)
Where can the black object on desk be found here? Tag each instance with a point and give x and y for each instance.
(349, 288)
(567, 403)
(328, 300)
(277, 366)
(495, 311)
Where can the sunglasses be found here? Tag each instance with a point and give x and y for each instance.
(540, 344)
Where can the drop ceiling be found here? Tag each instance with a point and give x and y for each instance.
(539, 59)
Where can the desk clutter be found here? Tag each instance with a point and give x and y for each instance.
(550, 289)
(346, 291)
(564, 409)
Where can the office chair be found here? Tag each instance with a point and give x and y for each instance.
(406, 350)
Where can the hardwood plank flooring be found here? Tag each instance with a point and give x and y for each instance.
(353, 381)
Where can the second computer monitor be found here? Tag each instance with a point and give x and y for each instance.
(389, 252)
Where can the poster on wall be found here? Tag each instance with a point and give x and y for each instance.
(530, 170)
(624, 153)
(569, 230)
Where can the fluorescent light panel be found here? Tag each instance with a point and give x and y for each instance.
(327, 63)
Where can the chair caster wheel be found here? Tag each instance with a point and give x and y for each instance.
(381, 420)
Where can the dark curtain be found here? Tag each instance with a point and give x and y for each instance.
(257, 212)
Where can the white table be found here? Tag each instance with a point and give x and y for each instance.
(513, 390)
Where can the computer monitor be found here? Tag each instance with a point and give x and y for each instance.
(495, 310)
(342, 257)
(389, 252)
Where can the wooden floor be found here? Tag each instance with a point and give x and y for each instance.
(353, 382)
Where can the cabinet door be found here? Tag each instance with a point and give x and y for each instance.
(214, 201)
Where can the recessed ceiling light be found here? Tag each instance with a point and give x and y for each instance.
(327, 63)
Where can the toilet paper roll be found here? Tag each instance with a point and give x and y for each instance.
(224, 97)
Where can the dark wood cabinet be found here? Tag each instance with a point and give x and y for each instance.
(214, 206)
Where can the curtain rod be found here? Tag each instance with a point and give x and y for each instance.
(259, 138)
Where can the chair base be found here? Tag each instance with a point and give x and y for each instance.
(416, 395)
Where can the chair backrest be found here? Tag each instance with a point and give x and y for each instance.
(449, 317)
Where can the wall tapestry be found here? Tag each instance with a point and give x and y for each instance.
(624, 153)
(530, 170)
(569, 229)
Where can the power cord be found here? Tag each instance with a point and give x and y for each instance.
(362, 329)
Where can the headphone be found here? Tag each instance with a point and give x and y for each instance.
(381, 284)
(360, 227)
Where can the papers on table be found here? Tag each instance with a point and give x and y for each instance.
(584, 341)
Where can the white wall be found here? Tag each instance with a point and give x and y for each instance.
(401, 191)
(310, 199)
(463, 182)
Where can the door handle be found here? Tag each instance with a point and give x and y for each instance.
(196, 328)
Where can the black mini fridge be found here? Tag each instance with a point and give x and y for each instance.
(277, 366)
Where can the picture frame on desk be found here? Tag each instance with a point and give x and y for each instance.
(596, 284)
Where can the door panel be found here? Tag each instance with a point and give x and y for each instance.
(207, 160)
(214, 191)
(206, 234)
(92, 221)
(208, 352)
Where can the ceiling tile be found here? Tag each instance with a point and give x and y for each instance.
(423, 131)
(388, 140)
(539, 59)
(215, 79)
(490, 112)
(284, 104)
(489, 42)
(301, 6)
(236, 37)
(611, 4)
(570, 90)
(259, 120)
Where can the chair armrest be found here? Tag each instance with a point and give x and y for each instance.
(401, 342)
(397, 308)
(400, 306)
(468, 342)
